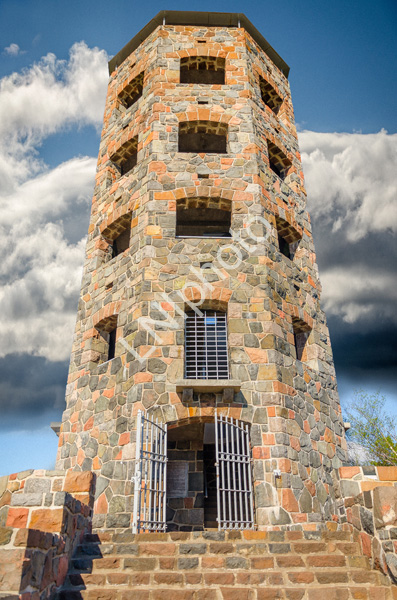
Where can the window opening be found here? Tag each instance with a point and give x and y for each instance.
(202, 136)
(112, 344)
(126, 156)
(121, 243)
(203, 217)
(288, 238)
(132, 92)
(301, 335)
(278, 161)
(203, 69)
(206, 354)
(269, 95)
(118, 235)
(284, 246)
(106, 338)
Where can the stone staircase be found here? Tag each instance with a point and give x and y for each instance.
(233, 565)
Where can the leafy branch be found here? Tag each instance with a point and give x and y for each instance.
(372, 428)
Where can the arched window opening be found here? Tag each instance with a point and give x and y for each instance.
(126, 156)
(132, 92)
(203, 69)
(269, 95)
(107, 334)
(301, 335)
(202, 136)
(288, 238)
(203, 217)
(206, 355)
(118, 235)
(121, 243)
(278, 161)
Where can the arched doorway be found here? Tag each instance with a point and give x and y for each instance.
(192, 475)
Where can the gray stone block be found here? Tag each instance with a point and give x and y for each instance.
(27, 499)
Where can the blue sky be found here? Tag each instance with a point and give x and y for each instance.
(52, 88)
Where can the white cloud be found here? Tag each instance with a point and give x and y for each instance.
(352, 199)
(40, 267)
(42, 270)
(13, 50)
(355, 293)
(351, 180)
(44, 99)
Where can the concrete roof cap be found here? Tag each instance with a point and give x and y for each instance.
(208, 19)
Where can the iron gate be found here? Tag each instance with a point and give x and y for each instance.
(233, 474)
(150, 477)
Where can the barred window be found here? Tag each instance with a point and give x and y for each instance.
(206, 354)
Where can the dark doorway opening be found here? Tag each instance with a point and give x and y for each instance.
(191, 477)
(210, 492)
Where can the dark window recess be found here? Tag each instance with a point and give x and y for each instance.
(128, 163)
(278, 162)
(301, 334)
(112, 344)
(106, 338)
(275, 167)
(132, 92)
(206, 354)
(204, 220)
(202, 142)
(284, 246)
(269, 95)
(126, 156)
(121, 243)
(288, 238)
(202, 69)
(202, 136)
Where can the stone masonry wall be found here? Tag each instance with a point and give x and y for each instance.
(292, 405)
(43, 517)
(369, 505)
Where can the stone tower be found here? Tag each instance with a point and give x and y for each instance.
(200, 298)
(201, 390)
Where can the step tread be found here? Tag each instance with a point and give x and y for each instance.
(108, 561)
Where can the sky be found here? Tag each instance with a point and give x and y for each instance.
(53, 78)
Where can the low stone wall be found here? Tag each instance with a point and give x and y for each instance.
(369, 506)
(43, 517)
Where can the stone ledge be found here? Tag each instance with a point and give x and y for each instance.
(208, 385)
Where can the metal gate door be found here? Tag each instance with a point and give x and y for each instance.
(233, 474)
(150, 477)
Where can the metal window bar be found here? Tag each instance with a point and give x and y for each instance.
(206, 346)
(149, 511)
(233, 473)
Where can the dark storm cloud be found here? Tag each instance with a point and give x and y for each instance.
(32, 391)
(356, 350)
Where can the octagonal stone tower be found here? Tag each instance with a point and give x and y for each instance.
(200, 294)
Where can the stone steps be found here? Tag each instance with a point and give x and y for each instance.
(214, 565)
